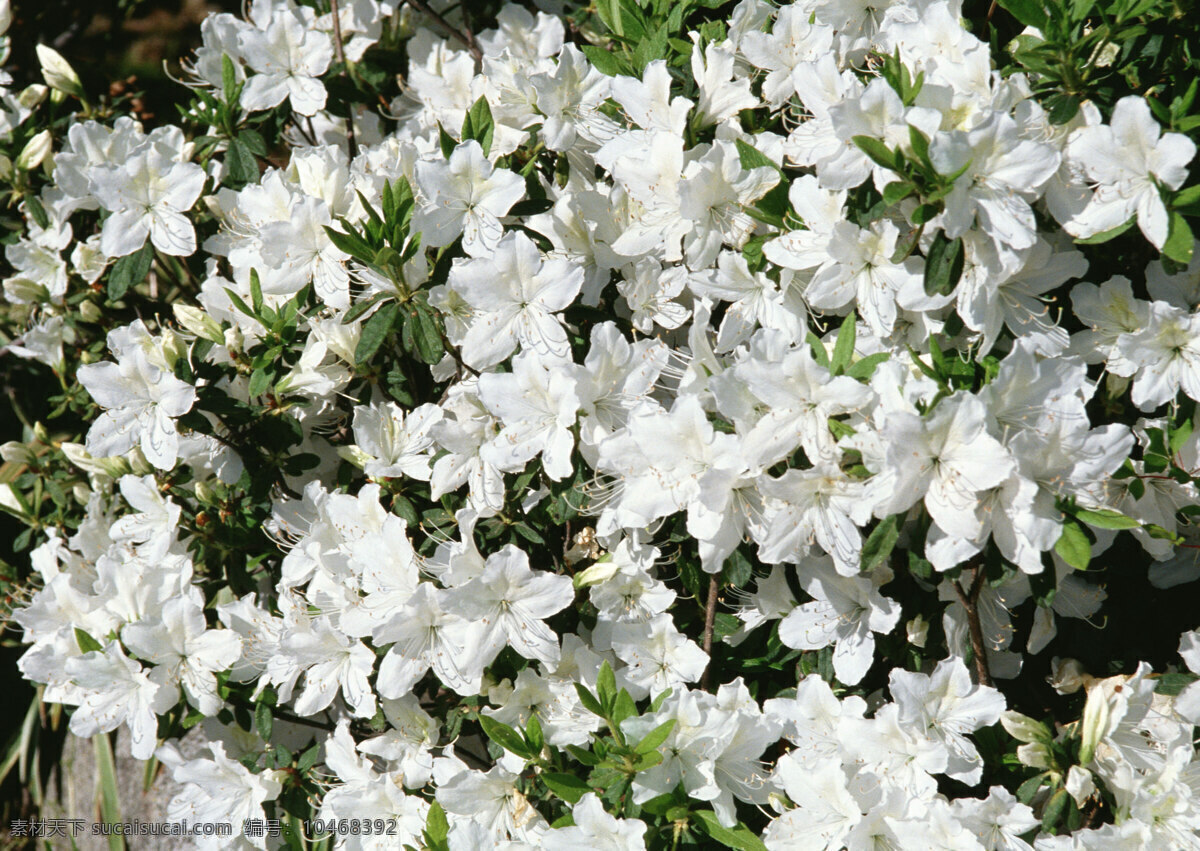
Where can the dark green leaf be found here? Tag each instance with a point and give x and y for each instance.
(880, 543)
(567, 786)
(505, 736)
(478, 125)
(264, 721)
(878, 152)
(943, 264)
(739, 836)
(1178, 246)
(129, 271)
(375, 331)
(85, 641)
(654, 739)
(843, 349)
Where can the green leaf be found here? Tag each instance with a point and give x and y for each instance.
(739, 836)
(1073, 545)
(878, 152)
(362, 307)
(880, 543)
(129, 271)
(623, 707)
(943, 264)
(505, 736)
(567, 786)
(85, 641)
(1061, 108)
(606, 687)
(1054, 809)
(1029, 12)
(478, 125)
(240, 161)
(425, 324)
(34, 205)
(1178, 246)
(863, 369)
(1105, 236)
(1106, 518)
(534, 736)
(897, 191)
(820, 355)
(110, 791)
(375, 331)
(843, 349)
(751, 157)
(606, 63)
(228, 79)
(437, 828)
(589, 700)
(654, 739)
(264, 720)
(260, 381)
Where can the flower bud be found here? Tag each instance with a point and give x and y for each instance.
(1067, 675)
(35, 150)
(16, 452)
(86, 357)
(40, 434)
(350, 453)
(78, 455)
(1080, 785)
(1025, 729)
(81, 492)
(918, 631)
(234, 341)
(58, 72)
(173, 347)
(204, 493)
(196, 321)
(1094, 726)
(10, 500)
(603, 570)
(1035, 755)
(32, 95)
(138, 462)
(89, 311)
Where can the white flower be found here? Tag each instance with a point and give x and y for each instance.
(288, 56)
(596, 829)
(148, 195)
(1127, 160)
(116, 690)
(465, 196)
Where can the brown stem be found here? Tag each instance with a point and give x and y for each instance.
(710, 618)
(466, 39)
(970, 602)
(341, 55)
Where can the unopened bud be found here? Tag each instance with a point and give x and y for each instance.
(89, 311)
(35, 150)
(1035, 756)
(58, 72)
(204, 493)
(1025, 729)
(173, 347)
(196, 321)
(918, 631)
(352, 453)
(78, 455)
(40, 434)
(32, 95)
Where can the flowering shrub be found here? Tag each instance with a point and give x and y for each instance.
(670, 423)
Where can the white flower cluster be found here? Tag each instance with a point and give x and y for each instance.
(708, 338)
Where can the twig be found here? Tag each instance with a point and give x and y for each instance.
(970, 602)
(710, 618)
(467, 39)
(341, 55)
